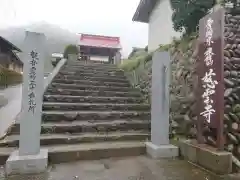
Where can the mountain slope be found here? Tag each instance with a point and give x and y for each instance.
(57, 38)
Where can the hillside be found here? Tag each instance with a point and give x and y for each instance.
(183, 53)
(57, 38)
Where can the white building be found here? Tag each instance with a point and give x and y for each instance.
(158, 14)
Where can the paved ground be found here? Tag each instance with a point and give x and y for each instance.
(133, 168)
(9, 112)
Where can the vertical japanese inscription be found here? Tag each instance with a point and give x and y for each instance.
(208, 81)
(210, 69)
(32, 81)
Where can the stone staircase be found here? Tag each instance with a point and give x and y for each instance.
(90, 111)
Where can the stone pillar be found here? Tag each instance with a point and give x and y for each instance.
(117, 58)
(159, 146)
(30, 158)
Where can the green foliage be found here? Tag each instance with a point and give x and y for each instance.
(164, 47)
(130, 64)
(148, 57)
(70, 49)
(136, 52)
(184, 42)
(133, 63)
(142, 57)
(187, 13)
(9, 77)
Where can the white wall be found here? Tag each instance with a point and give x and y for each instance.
(99, 58)
(160, 25)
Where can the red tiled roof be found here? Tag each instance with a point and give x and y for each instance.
(100, 41)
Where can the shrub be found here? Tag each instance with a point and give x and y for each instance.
(148, 57)
(70, 49)
(165, 47)
(130, 64)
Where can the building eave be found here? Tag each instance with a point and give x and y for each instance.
(100, 46)
(10, 45)
(18, 60)
(144, 10)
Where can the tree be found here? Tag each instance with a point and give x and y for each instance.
(187, 13)
(70, 49)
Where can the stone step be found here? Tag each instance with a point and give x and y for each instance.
(80, 71)
(87, 151)
(89, 87)
(98, 126)
(56, 139)
(56, 116)
(90, 99)
(93, 78)
(90, 69)
(56, 106)
(96, 65)
(90, 82)
(92, 74)
(77, 92)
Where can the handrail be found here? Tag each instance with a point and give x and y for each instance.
(15, 116)
(55, 71)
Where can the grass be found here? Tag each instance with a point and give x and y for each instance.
(134, 62)
(182, 44)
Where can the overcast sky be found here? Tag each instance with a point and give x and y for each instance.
(106, 17)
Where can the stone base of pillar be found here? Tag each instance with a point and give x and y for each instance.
(163, 151)
(32, 164)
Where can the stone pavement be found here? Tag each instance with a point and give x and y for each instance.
(9, 112)
(130, 168)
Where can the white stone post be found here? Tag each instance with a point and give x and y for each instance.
(30, 158)
(159, 146)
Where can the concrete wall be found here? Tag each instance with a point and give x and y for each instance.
(160, 25)
(99, 58)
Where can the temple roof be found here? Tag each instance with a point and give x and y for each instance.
(100, 41)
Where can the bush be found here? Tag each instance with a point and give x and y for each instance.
(70, 49)
(164, 47)
(130, 64)
(148, 57)
(9, 77)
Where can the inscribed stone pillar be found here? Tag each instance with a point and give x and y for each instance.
(160, 98)
(159, 145)
(30, 158)
(33, 78)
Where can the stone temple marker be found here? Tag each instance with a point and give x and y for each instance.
(159, 146)
(30, 158)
